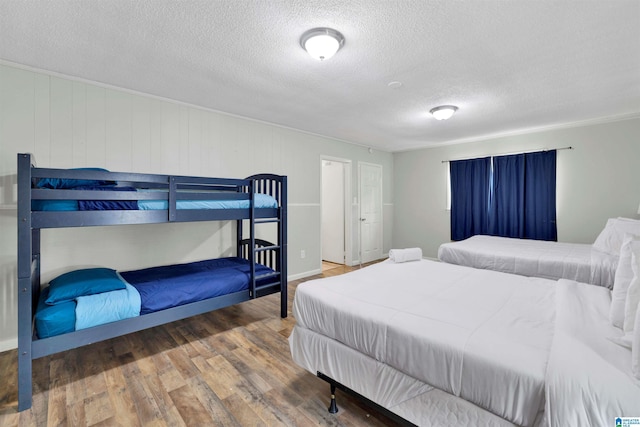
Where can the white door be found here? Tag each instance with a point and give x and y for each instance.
(370, 177)
(333, 241)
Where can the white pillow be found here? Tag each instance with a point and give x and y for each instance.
(633, 294)
(610, 238)
(603, 241)
(625, 341)
(623, 278)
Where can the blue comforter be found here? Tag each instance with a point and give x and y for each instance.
(159, 288)
(173, 285)
(261, 201)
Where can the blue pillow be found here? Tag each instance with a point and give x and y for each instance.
(56, 319)
(89, 281)
(66, 183)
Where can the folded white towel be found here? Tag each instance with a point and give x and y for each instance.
(404, 255)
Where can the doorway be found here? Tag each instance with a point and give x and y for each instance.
(370, 217)
(335, 212)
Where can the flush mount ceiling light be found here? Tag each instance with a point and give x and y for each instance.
(322, 43)
(443, 112)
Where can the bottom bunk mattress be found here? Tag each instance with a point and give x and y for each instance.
(536, 258)
(497, 341)
(173, 285)
(91, 297)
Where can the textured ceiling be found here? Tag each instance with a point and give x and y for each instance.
(510, 66)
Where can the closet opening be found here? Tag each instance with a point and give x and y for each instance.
(335, 213)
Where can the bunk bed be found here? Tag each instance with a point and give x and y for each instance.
(430, 343)
(58, 198)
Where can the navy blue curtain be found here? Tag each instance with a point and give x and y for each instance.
(469, 197)
(507, 204)
(508, 196)
(540, 196)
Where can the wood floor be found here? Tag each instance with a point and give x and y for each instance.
(231, 367)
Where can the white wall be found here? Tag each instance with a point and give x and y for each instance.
(598, 179)
(67, 123)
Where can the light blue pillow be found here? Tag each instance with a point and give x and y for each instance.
(88, 281)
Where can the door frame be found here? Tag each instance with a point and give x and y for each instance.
(348, 208)
(360, 208)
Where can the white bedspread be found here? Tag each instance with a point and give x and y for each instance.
(480, 335)
(589, 379)
(536, 258)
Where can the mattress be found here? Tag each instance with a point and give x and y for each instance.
(536, 258)
(173, 285)
(527, 350)
(159, 288)
(262, 201)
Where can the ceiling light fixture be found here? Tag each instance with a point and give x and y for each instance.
(322, 43)
(443, 112)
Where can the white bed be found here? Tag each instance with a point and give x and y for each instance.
(535, 258)
(439, 344)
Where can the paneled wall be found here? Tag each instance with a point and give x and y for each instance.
(67, 123)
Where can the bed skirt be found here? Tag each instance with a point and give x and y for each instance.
(411, 399)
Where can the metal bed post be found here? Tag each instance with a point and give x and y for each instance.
(173, 199)
(28, 240)
(239, 248)
(282, 258)
(252, 238)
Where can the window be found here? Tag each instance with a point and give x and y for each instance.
(509, 196)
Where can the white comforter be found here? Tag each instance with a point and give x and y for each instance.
(481, 335)
(536, 258)
(589, 380)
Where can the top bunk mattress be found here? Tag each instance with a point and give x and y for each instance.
(262, 201)
(535, 258)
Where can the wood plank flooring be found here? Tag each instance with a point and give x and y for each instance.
(230, 367)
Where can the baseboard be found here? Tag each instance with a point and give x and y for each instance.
(9, 344)
(292, 277)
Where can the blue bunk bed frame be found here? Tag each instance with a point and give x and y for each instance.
(176, 188)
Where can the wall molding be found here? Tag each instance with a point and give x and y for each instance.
(9, 344)
(298, 276)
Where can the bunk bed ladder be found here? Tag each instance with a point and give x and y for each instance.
(281, 264)
(257, 250)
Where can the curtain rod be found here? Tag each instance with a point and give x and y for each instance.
(507, 154)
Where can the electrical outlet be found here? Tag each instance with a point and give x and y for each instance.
(303, 254)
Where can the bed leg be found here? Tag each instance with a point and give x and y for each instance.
(333, 408)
